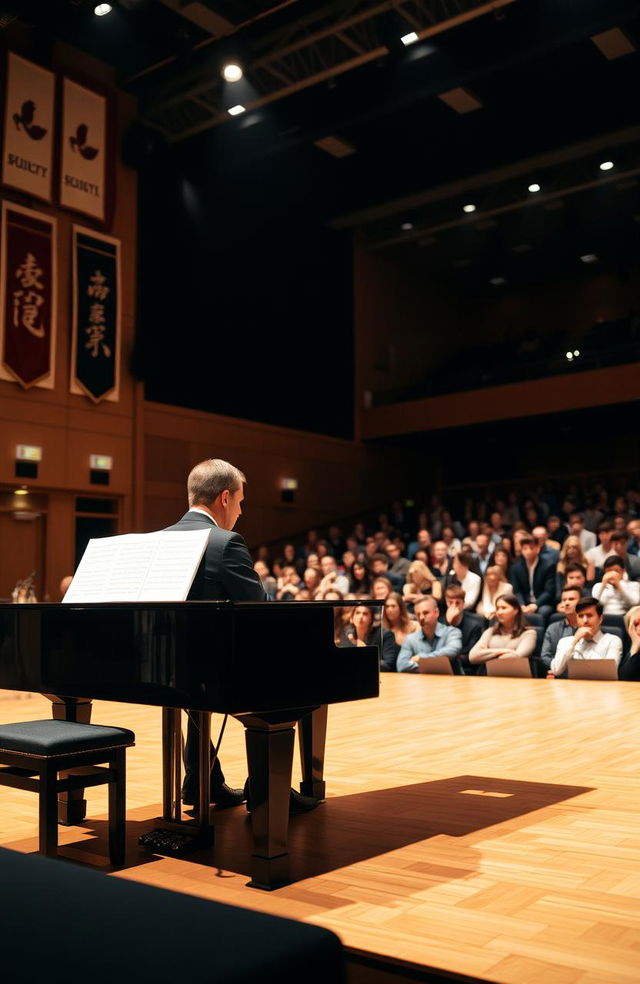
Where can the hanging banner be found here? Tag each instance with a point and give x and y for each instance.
(27, 146)
(28, 292)
(83, 169)
(95, 347)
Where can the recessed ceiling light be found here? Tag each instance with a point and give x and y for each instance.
(606, 165)
(589, 258)
(533, 188)
(232, 72)
(406, 226)
(101, 9)
(236, 110)
(468, 208)
(409, 38)
(22, 491)
(569, 356)
(576, 353)
(498, 281)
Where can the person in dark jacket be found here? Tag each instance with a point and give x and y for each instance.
(533, 580)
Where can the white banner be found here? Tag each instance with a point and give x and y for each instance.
(84, 150)
(27, 155)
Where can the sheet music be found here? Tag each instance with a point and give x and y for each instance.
(138, 567)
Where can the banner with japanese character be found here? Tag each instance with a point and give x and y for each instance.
(83, 171)
(27, 146)
(28, 303)
(95, 347)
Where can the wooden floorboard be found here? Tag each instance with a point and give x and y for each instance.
(483, 827)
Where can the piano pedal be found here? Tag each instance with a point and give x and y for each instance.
(173, 842)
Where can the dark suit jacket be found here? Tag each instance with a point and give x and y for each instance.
(226, 570)
(544, 582)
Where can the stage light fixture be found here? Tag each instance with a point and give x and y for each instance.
(406, 226)
(468, 208)
(576, 353)
(606, 165)
(101, 9)
(236, 110)
(569, 356)
(232, 72)
(533, 188)
(409, 38)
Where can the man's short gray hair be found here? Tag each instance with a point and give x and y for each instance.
(209, 478)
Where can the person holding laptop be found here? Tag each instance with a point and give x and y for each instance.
(589, 641)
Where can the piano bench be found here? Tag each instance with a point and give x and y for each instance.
(33, 753)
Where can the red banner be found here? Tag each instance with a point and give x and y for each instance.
(28, 292)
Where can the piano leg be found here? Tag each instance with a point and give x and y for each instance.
(72, 806)
(270, 760)
(312, 733)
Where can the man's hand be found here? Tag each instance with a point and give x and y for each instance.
(584, 632)
(529, 609)
(452, 613)
(415, 659)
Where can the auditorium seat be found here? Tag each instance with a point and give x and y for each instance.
(62, 921)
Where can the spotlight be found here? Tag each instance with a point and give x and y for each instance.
(606, 165)
(468, 208)
(101, 9)
(533, 188)
(232, 72)
(236, 110)
(576, 353)
(589, 258)
(569, 356)
(409, 38)
(406, 226)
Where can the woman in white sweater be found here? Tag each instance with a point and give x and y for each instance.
(509, 638)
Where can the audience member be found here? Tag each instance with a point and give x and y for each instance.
(572, 553)
(461, 574)
(633, 532)
(630, 670)
(469, 624)
(598, 555)
(440, 563)
(556, 533)
(359, 580)
(421, 542)
(380, 568)
(588, 641)
(502, 559)
(562, 627)
(399, 564)
(547, 551)
(620, 547)
(367, 633)
(588, 540)
(493, 586)
(268, 582)
(381, 588)
(616, 594)
(453, 543)
(331, 578)
(509, 638)
(483, 552)
(533, 580)
(312, 577)
(396, 618)
(575, 576)
(420, 582)
(289, 585)
(433, 638)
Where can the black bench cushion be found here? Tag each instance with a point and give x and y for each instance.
(51, 737)
(61, 921)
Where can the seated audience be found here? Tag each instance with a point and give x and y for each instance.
(630, 670)
(433, 638)
(359, 580)
(268, 582)
(399, 564)
(614, 591)
(381, 588)
(588, 641)
(380, 568)
(598, 555)
(469, 624)
(620, 546)
(483, 552)
(494, 585)
(556, 533)
(466, 578)
(572, 553)
(453, 543)
(420, 582)
(533, 580)
(396, 618)
(421, 542)
(588, 540)
(509, 637)
(311, 578)
(633, 533)
(366, 633)
(496, 531)
(562, 628)
(502, 559)
(575, 576)
(331, 578)
(289, 584)
(440, 562)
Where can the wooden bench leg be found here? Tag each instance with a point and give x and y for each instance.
(117, 808)
(48, 810)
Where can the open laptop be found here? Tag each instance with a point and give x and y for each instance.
(592, 669)
(513, 667)
(440, 665)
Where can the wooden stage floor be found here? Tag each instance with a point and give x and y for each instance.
(483, 827)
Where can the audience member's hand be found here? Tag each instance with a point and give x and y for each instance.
(550, 675)
(452, 612)
(529, 609)
(612, 577)
(584, 632)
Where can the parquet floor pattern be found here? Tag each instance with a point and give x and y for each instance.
(485, 826)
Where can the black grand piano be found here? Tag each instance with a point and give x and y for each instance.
(268, 664)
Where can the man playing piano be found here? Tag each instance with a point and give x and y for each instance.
(215, 490)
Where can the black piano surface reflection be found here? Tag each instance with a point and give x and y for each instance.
(268, 664)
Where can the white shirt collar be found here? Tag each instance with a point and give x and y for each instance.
(203, 512)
